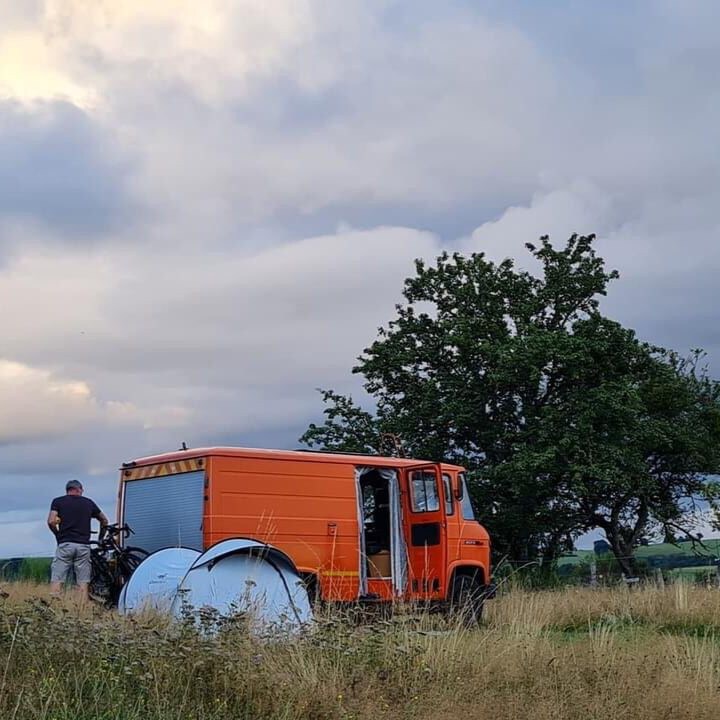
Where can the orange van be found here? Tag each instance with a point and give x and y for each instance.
(358, 527)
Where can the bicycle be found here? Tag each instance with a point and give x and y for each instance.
(112, 564)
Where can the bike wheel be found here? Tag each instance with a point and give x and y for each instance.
(127, 562)
(136, 551)
(133, 556)
(101, 584)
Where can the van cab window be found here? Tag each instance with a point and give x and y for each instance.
(424, 492)
(447, 488)
(468, 511)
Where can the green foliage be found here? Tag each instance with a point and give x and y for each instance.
(25, 569)
(347, 427)
(565, 420)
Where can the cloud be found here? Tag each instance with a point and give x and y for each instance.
(580, 208)
(25, 538)
(35, 404)
(666, 253)
(60, 171)
(207, 209)
(213, 48)
(304, 105)
(174, 329)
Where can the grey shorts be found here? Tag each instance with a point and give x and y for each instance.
(71, 555)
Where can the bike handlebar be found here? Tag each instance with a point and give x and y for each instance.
(113, 530)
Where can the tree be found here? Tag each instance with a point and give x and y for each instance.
(347, 427)
(669, 443)
(562, 416)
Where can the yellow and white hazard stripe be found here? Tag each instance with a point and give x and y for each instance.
(161, 469)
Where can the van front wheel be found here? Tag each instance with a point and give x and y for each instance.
(467, 599)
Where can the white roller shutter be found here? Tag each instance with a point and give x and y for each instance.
(165, 511)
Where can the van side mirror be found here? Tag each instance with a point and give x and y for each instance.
(458, 489)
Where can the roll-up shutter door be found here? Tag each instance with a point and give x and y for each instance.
(165, 511)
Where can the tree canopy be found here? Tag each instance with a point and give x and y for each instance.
(565, 420)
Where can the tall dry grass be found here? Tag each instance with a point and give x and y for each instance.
(570, 654)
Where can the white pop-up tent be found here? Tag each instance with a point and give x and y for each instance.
(232, 577)
(154, 584)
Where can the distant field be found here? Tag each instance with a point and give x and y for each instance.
(573, 654)
(28, 569)
(684, 558)
(660, 555)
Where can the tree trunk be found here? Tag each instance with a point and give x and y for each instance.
(624, 553)
(623, 540)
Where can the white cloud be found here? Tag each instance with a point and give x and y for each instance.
(74, 49)
(214, 48)
(261, 331)
(580, 208)
(35, 403)
(244, 110)
(28, 73)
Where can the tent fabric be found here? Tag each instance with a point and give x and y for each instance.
(233, 545)
(155, 581)
(234, 576)
(121, 598)
(244, 583)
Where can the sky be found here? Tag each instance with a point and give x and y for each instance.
(208, 209)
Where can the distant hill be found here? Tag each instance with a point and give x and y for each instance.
(663, 555)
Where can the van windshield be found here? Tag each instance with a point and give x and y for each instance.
(468, 511)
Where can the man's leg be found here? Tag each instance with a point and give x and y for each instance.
(83, 570)
(59, 569)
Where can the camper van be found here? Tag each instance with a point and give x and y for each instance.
(357, 527)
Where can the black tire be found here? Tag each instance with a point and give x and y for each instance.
(467, 599)
(101, 587)
(133, 556)
(106, 585)
(128, 562)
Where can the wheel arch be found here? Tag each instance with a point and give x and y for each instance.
(466, 569)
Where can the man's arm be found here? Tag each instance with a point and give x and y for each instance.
(53, 521)
(99, 515)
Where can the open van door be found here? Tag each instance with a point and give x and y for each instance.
(426, 532)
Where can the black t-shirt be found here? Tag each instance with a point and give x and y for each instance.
(75, 513)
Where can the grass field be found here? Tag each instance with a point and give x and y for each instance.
(25, 569)
(684, 550)
(572, 653)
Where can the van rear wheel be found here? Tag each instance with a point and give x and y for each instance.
(467, 599)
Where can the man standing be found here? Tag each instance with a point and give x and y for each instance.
(69, 520)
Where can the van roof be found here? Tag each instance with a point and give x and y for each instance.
(259, 453)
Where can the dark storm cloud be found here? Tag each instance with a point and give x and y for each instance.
(487, 124)
(58, 168)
